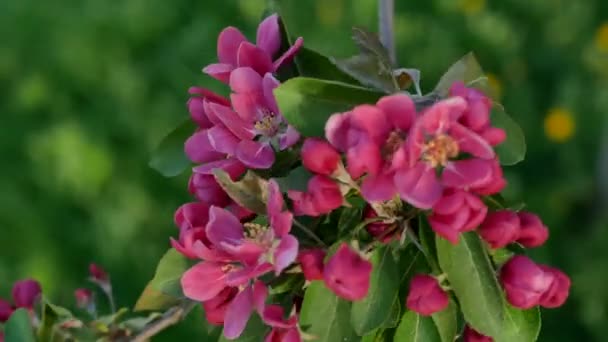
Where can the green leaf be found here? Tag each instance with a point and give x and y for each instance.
(520, 325)
(249, 192)
(297, 179)
(325, 315)
(446, 322)
(394, 317)
(51, 315)
(513, 149)
(315, 65)
(427, 240)
(473, 281)
(307, 103)
(373, 310)
(349, 219)
(169, 157)
(467, 70)
(18, 328)
(152, 299)
(169, 273)
(255, 331)
(416, 328)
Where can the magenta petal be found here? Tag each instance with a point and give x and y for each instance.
(247, 252)
(252, 56)
(245, 80)
(336, 130)
(399, 109)
(260, 293)
(228, 44)
(419, 186)
(203, 281)
(255, 154)
(238, 313)
(378, 188)
(281, 223)
(269, 83)
(471, 142)
(363, 158)
(198, 148)
(219, 71)
(25, 293)
(273, 316)
(231, 165)
(275, 198)
(239, 127)
(286, 253)
(223, 227)
(223, 140)
(289, 138)
(289, 54)
(467, 173)
(268, 37)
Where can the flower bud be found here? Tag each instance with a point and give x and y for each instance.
(6, 310)
(385, 232)
(533, 232)
(319, 156)
(84, 297)
(25, 293)
(97, 273)
(311, 261)
(323, 195)
(426, 296)
(524, 282)
(558, 292)
(457, 211)
(500, 228)
(470, 335)
(347, 274)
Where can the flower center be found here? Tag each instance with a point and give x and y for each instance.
(439, 150)
(228, 268)
(254, 231)
(392, 144)
(267, 125)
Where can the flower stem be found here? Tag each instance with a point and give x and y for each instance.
(170, 317)
(386, 14)
(309, 232)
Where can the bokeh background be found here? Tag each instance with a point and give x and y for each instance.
(89, 87)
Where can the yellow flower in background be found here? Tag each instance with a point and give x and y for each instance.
(559, 125)
(470, 7)
(495, 85)
(601, 37)
(330, 12)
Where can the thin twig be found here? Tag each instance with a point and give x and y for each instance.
(309, 232)
(170, 317)
(386, 13)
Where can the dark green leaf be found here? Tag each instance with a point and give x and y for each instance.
(373, 310)
(315, 65)
(416, 328)
(307, 103)
(466, 69)
(169, 157)
(18, 328)
(427, 240)
(51, 315)
(249, 192)
(473, 281)
(326, 316)
(349, 219)
(394, 316)
(255, 331)
(513, 149)
(297, 179)
(446, 322)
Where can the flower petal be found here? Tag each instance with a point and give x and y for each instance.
(255, 154)
(228, 44)
(238, 314)
(219, 71)
(289, 54)
(399, 109)
(203, 281)
(198, 148)
(268, 37)
(467, 173)
(419, 186)
(286, 253)
(252, 56)
(222, 140)
(223, 227)
(378, 188)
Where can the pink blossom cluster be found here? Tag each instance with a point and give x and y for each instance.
(25, 294)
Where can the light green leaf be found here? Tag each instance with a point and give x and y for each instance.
(373, 310)
(520, 325)
(169, 157)
(18, 328)
(446, 322)
(307, 103)
(51, 315)
(152, 299)
(513, 149)
(416, 328)
(250, 192)
(467, 70)
(326, 316)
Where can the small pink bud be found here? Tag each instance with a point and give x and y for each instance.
(500, 228)
(97, 273)
(83, 297)
(426, 296)
(533, 232)
(559, 290)
(323, 195)
(524, 282)
(382, 231)
(311, 261)
(456, 211)
(25, 293)
(470, 335)
(347, 274)
(6, 310)
(319, 156)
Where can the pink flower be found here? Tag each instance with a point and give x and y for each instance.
(385, 232)
(6, 310)
(241, 307)
(456, 212)
(426, 296)
(233, 50)
(347, 274)
(98, 274)
(84, 297)
(204, 186)
(372, 138)
(559, 290)
(311, 261)
(322, 196)
(500, 228)
(319, 156)
(470, 335)
(524, 282)
(533, 232)
(434, 144)
(286, 251)
(25, 293)
(191, 219)
(215, 308)
(196, 105)
(496, 183)
(283, 329)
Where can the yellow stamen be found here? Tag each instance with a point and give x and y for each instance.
(439, 150)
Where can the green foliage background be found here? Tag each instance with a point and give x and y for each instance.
(89, 87)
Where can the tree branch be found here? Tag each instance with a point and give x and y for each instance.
(386, 14)
(169, 318)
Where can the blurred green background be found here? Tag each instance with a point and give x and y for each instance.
(88, 88)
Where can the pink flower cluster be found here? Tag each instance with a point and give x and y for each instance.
(25, 293)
